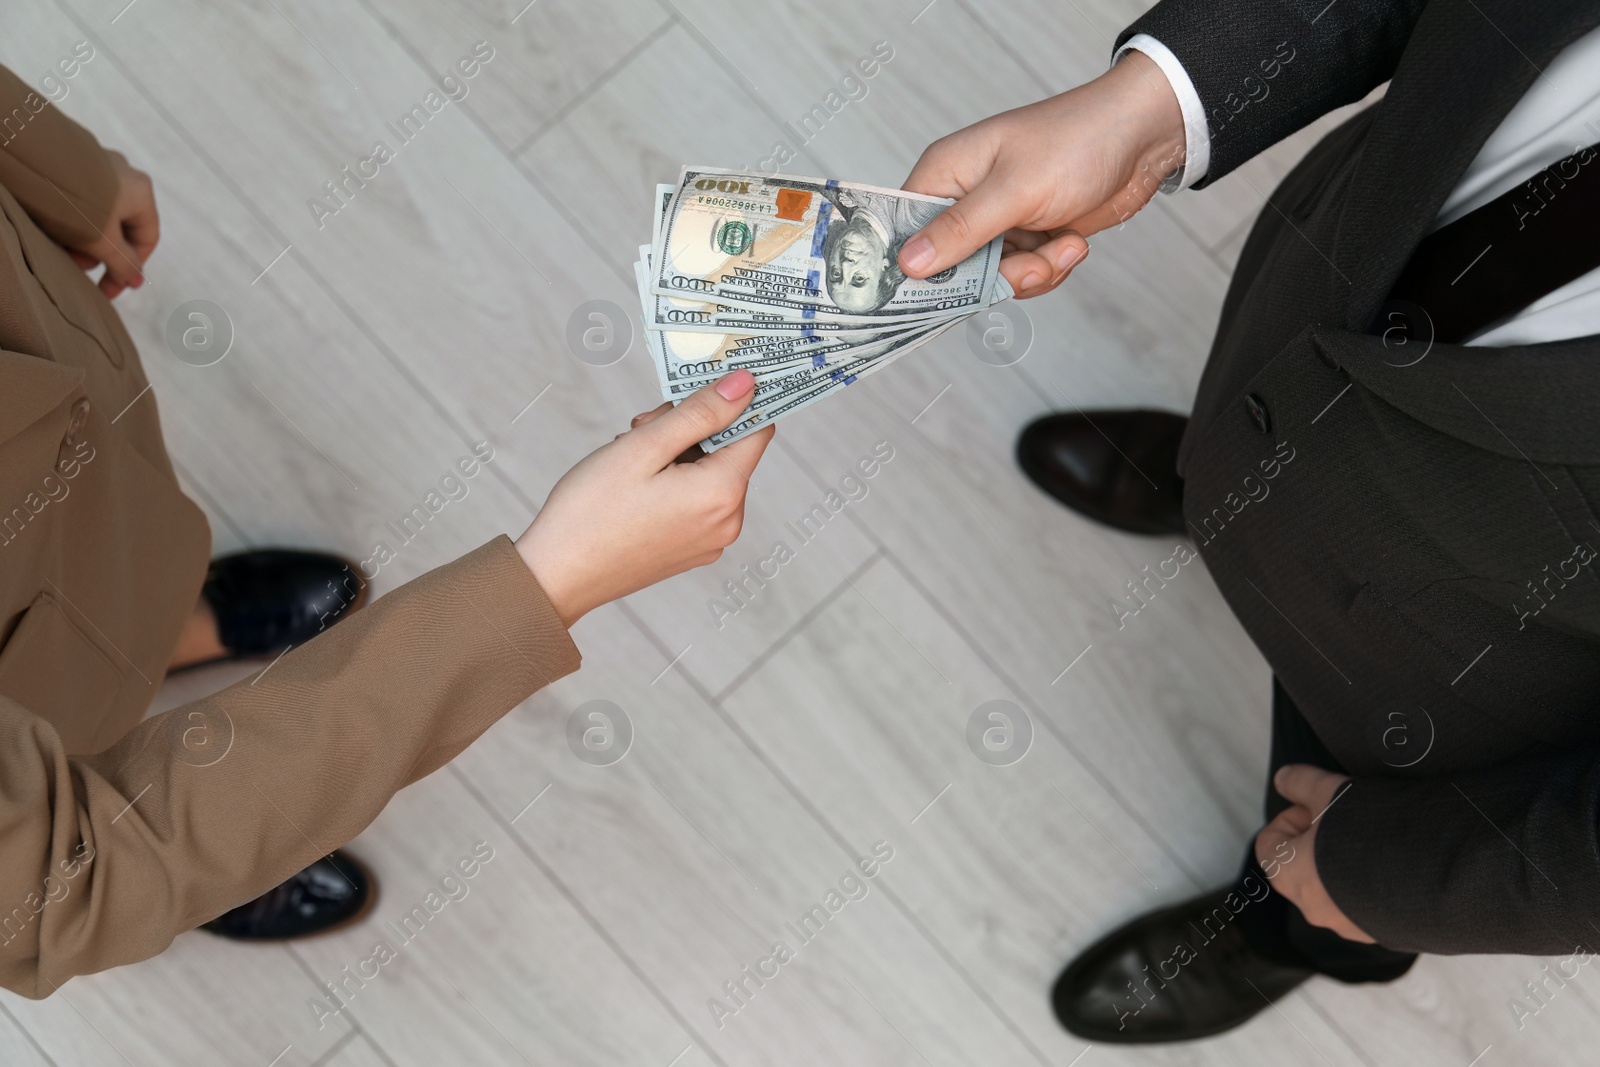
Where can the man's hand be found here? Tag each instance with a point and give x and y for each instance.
(628, 515)
(128, 237)
(1048, 175)
(1310, 791)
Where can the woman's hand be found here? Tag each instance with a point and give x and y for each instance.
(628, 516)
(128, 237)
(1048, 175)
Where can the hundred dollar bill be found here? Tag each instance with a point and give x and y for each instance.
(680, 379)
(689, 357)
(800, 391)
(808, 249)
(686, 315)
(757, 417)
(689, 315)
(765, 410)
(774, 389)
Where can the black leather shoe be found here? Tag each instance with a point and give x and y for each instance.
(1178, 974)
(271, 598)
(1116, 467)
(333, 892)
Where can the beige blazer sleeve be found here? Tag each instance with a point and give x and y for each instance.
(108, 857)
(55, 168)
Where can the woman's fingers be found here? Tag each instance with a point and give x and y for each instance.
(664, 437)
(645, 416)
(625, 518)
(142, 228)
(743, 454)
(122, 263)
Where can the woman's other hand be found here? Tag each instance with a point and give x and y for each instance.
(128, 237)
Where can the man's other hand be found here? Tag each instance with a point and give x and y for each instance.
(1310, 792)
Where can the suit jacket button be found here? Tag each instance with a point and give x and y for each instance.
(1258, 412)
(79, 416)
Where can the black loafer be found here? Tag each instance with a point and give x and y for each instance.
(1116, 467)
(271, 598)
(1178, 974)
(333, 892)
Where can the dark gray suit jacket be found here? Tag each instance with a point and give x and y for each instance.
(1406, 540)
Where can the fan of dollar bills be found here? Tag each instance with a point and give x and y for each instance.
(797, 280)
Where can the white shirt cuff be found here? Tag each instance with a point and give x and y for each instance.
(1197, 135)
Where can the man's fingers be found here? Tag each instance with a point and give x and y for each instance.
(1293, 820)
(83, 259)
(1028, 273)
(952, 165)
(961, 229)
(1063, 253)
(1036, 271)
(1270, 840)
(1040, 266)
(1312, 787)
(702, 414)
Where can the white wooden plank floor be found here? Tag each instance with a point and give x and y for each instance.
(828, 716)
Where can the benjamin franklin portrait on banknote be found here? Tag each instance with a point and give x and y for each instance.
(862, 248)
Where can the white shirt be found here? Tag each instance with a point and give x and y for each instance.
(1558, 115)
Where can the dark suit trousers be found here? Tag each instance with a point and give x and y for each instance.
(1274, 927)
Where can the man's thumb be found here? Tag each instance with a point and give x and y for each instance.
(1306, 784)
(960, 230)
(706, 411)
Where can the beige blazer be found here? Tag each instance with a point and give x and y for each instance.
(116, 834)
